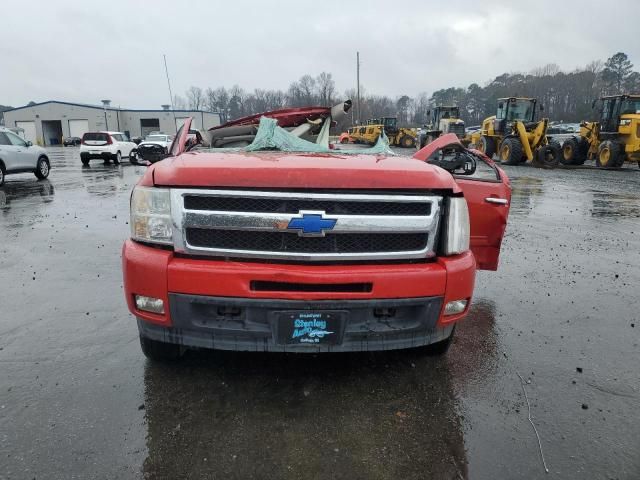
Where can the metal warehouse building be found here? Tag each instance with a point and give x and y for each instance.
(47, 123)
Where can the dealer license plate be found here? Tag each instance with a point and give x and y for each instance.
(310, 327)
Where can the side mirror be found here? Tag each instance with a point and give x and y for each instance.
(29, 144)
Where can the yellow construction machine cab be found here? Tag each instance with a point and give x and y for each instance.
(511, 110)
(443, 119)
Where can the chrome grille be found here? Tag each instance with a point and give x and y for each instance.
(256, 224)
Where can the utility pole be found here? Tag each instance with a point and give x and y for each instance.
(166, 70)
(358, 86)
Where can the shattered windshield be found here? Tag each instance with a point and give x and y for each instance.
(269, 136)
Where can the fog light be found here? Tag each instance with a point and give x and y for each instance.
(456, 306)
(149, 304)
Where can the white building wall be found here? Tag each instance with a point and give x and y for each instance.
(100, 119)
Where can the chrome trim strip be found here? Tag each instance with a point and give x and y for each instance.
(344, 197)
(279, 221)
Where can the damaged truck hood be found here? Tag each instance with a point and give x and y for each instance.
(297, 170)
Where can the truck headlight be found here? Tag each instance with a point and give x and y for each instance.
(456, 235)
(151, 215)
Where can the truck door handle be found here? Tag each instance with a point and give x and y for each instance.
(497, 201)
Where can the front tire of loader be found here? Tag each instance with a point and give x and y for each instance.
(407, 142)
(487, 146)
(573, 152)
(609, 155)
(510, 151)
(548, 156)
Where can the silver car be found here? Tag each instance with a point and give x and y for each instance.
(19, 156)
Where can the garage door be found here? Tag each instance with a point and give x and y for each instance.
(29, 130)
(77, 128)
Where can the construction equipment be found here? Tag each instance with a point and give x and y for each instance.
(442, 120)
(398, 136)
(613, 139)
(514, 134)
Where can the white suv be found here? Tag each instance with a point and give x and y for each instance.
(106, 146)
(20, 156)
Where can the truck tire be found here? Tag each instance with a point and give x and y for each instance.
(574, 151)
(548, 156)
(407, 142)
(439, 348)
(42, 168)
(487, 146)
(511, 151)
(609, 154)
(160, 351)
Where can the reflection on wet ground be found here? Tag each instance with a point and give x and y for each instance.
(607, 204)
(269, 416)
(78, 399)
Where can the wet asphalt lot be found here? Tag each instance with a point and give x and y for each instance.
(79, 400)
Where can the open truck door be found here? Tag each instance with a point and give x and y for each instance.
(486, 188)
(179, 144)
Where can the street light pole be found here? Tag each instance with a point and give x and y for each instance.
(358, 85)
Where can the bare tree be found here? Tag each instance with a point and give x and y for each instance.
(195, 97)
(179, 103)
(326, 88)
(549, 70)
(307, 88)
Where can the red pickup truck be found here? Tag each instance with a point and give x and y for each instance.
(260, 235)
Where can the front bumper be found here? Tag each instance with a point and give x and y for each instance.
(212, 303)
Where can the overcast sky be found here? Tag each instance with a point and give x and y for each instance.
(82, 51)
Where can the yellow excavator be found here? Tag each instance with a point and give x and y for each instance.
(613, 139)
(398, 136)
(515, 135)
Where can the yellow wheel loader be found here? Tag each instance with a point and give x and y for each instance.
(442, 120)
(612, 140)
(516, 137)
(398, 137)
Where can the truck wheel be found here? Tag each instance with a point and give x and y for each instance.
(511, 151)
(160, 351)
(608, 155)
(574, 151)
(441, 347)
(548, 156)
(407, 142)
(42, 168)
(487, 146)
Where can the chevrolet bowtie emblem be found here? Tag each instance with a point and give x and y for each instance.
(311, 224)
